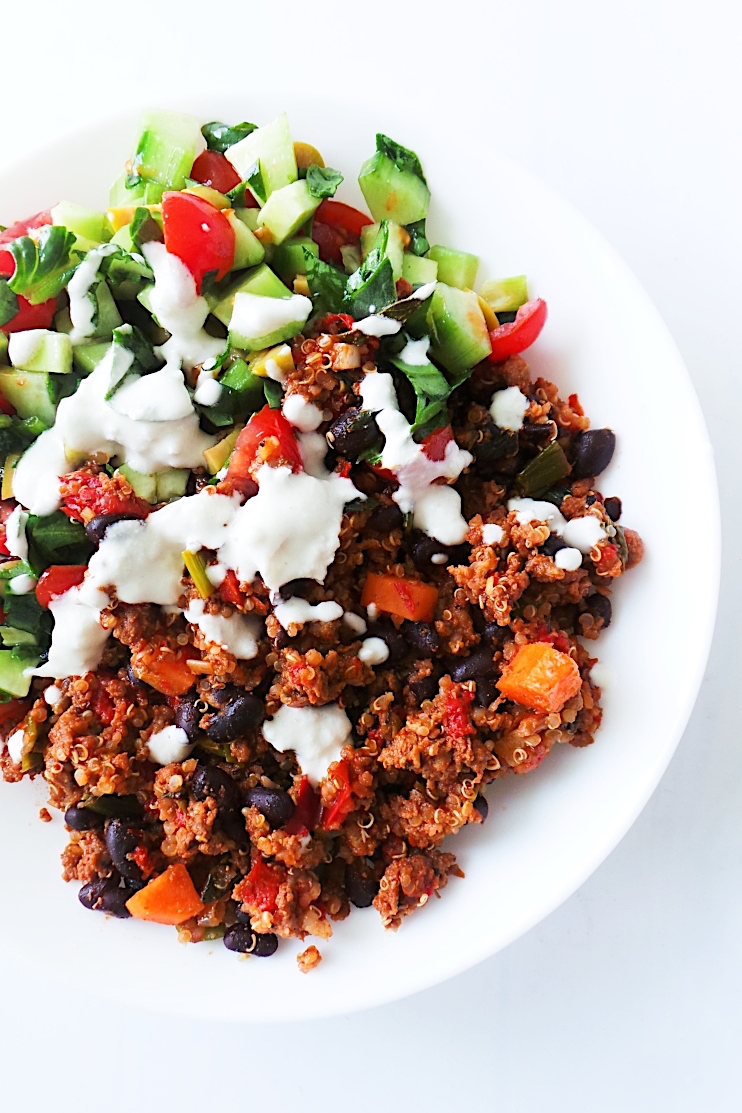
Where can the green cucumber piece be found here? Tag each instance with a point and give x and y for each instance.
(123, 239)
(244, 390)
(248, 250)
(107, 317)
(289, 260)
(261, 281)
(417, 270)
(145, 486)
(10, 635)
(506, 295)
(287, 209)
(166, 149)
(32, 393)
(143, 193)
(86, 357)
(248, 217)
(458, 330)
(13, 665)
(455, 268)
(171, 484)
(85, 223)
(396, 238)
(391, 193)
(41, 349)
(273, 148)
(3, 347)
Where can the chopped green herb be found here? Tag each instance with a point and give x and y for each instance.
(543, 471)
(220, 137)
(273, 393)
(402, 157)
(419, 243)
(8, 303)
(322, 181)
(43, 266)
(326, 285)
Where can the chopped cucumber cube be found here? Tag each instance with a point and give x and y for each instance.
(506, 295)
(143, 485)
(248, 217)
(32, 393)
(455, 268)
(248, 250)
(86, 357)
(272, 147)
(85, 223)
(13, 664)
(289, 259)
(166, 149)
(260, 322)
(40, 349)
(287, 209)
(391, 193)
(458, 330)
(397, 239)
(171, 484)
(261, 281)
(144, 193)
(417, 270)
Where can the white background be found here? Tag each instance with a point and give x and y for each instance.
(628, 997)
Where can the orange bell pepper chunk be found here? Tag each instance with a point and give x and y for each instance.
(170, 898)
(540, 677)
(163, 669)
(397, 595)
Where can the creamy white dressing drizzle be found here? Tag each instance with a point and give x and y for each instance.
(582, 534)
(302, 414)
(315, 734)
(297, 612)
(22, 585)
(508, 408)
(180, 310)
(169, 744)
(254, 315)
(373, 651)
(238, 633)
(78, 637)
(415, 352)
(79, 287)
(15, 534)
(23, 346)
(376, 325)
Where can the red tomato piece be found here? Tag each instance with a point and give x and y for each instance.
(104, 706)
(508, 340)
(88, 493)
(435, 444)
(57, 580)
(198, 234)
(456, 713)
(229, 589)
(261, 885)
(212, 169)
(337, 214)
(267, 438)
(6, 509)
(13, 711)
(23, 227)
(308, 808)
(342, 805)
(329, 241)
(31, 316)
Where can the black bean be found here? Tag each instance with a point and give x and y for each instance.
(266, 944)
(275, 804)
(301, 588)
(495, 633)
(422, 637)
(386, 518)
(482, 807)
(600, 606)
(133, 679)
(105, 894)
(361, 884)
(241, 714)
(82, 819)
(91, 894)
(187, 716)
(592, 452)
(490, 453)
(478, 665)
(122, 840)
(424, 687)
(539, 433)
(487, 691)
(391, 637)
(353, 432)
(552, 545)
(240, 937)
(459, 554)
(613, 508)
(242, 917)
(96, 527)
(210, 780)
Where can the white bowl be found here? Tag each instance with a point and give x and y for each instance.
(546, 831)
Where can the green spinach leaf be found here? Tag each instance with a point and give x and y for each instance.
(326, 285)
(402, 157)
(220, 137)
(322, 181)
(419, 243)
(8, 303)
(43, 266)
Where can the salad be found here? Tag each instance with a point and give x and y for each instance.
(297, 553)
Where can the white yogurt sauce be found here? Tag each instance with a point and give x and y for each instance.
(254, 315)
(22, 585)
(208, 390)
(582, 534)
(508, 408)
(52, 695)
(296, 612)
(169, 744)
(376, 325)
(302, 414)
(23, 346)
(15, 534)
(373, 651)
(355, 623)
(492, 534)
(180, 310)
(159, 397)
(36, 475)
(78, 637)
(436, 509)
(79, 287)
(315, 734)
(569, 559)
(238, 634)
(415, 352)
(15, 746)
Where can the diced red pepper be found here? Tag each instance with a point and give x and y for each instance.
(341, 807)
(267, 438)
(104, 707)
(261, 886)
(141, 856)
(57, 580)
(456, 715)
(212, 169)
(6, 509)
(198, 234)
(508, 340)
(229, 589)
(436, 443)
(335, 322)
(308, 808)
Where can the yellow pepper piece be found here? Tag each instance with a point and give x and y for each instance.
(306, 155)
(196, 565)
(120, 217)
(217, 456)
(10, 463)
(489, 314)
(280, 356)
(301, 286)
(213, 196)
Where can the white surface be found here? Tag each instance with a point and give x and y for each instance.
(627, 997)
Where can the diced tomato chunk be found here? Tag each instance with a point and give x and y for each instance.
(307, 812)
(261, 886)
(510, 339)
(87, 494)
(57, 580)
(211, 168)
(341, 807)
(229, 589)
(198, 234)
(456, 713)
(31, 316)
(267, 438)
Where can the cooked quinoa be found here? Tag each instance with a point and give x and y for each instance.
(249, 754)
